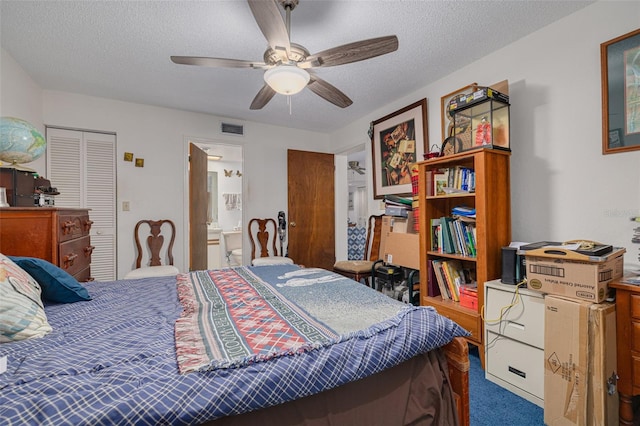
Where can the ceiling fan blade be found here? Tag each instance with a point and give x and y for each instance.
(216, 62)
(352, 52)
(269, 19)
(263, 97)
(328, 92)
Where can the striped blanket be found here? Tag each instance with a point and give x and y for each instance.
(232, 317)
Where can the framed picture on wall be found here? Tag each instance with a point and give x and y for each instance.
(398, 140)
(620, 69)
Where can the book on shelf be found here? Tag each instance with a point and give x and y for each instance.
(457, 274)
(455, 236)
(436, 235)
(445, 292)
(447, 237)
(433, 288)
(452, 179)
(440, 182)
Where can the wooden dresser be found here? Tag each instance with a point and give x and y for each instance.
(59, 235)
(627, 347)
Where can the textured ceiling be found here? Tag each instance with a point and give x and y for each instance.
(121, 50)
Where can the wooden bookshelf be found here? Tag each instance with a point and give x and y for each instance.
(492, 202)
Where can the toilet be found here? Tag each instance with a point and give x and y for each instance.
(233, 247)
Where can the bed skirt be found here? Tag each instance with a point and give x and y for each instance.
(415, 392)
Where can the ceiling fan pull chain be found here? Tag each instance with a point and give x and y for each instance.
(289, 103)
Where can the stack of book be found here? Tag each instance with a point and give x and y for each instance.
(397, 206)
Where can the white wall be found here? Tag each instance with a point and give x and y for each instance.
(20, 97)
(157, 135)
(562, 187)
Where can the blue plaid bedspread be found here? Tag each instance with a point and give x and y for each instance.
(112, 360)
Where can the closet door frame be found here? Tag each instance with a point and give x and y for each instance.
(82, 165)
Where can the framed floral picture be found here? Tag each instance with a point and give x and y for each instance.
(397, 141)
(620, 66)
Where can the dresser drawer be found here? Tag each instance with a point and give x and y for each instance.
(75, 255)
(516, 363)
(635, 306)
(72, 226)
(84, 275)
(524, 321)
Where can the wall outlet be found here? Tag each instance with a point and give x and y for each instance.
(126, 206)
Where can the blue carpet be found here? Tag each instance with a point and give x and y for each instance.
(492, 405)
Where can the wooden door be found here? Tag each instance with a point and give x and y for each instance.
(311, 219)
(198, 204)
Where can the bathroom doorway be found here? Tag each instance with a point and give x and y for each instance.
(224, 211)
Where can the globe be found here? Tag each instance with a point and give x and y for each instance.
(20, 142)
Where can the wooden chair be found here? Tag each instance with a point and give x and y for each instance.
(361, 269)
(155, 243)
(263, 235)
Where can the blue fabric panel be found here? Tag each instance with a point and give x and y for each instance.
(356, 239)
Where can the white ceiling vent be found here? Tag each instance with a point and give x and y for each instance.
(232, 129)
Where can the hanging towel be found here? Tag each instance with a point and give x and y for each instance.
(232, 201)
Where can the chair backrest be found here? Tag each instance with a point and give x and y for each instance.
(374, 237)
(155, 241)
(263, 235)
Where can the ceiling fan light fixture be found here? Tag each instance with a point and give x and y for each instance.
(287, 79)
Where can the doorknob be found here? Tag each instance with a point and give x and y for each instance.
(293, 224)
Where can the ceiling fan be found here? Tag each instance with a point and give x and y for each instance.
(355, 166)
(289, 65)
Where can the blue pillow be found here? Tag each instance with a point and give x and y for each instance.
(57, 285)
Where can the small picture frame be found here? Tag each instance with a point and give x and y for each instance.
(128, 156)
(139, 162)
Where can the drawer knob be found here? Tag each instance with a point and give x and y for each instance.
(87, 225)
(88, 250)
(68, 227)
(69, 259)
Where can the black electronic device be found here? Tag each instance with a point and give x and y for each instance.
(282, 231)
(510, 266)
(514, 268)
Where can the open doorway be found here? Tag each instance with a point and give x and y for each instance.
(224, 207)
(357, 179)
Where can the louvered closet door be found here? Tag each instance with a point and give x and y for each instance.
(82, 166)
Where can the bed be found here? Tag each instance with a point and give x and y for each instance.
(237, 346)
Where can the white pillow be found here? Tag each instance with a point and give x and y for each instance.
(22, 314)
(273, 260)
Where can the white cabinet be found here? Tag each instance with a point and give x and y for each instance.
(514, 340)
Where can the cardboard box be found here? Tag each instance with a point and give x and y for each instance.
(568, 273)
(580, 357)
(399, 245)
